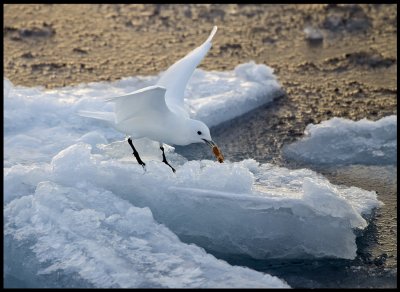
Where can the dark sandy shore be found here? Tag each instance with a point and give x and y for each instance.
(346, 67)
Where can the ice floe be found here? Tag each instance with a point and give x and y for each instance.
(343, 141)
(108, 242)
(79, 208)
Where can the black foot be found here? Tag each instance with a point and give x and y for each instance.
(136, 154)
(165, 159)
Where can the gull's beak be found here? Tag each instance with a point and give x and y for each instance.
(210, 143)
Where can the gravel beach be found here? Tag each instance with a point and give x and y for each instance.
(332, 60)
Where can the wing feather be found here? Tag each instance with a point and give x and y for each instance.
(140, 102)
(177, 76)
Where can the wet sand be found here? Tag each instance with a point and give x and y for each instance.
(347, 68)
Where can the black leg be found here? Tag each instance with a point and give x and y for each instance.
(136, 153)
(165, 159)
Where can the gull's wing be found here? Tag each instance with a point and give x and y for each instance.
(140, 102)
(177, 76)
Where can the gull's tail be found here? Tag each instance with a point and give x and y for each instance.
(104, 116)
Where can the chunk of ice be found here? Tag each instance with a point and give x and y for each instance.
(342, 141)
(76, 201)
(262, 211)
(109, 242)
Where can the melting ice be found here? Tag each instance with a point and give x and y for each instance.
(343, 141)
(77, 203)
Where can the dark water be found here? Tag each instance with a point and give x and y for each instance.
(261, 134)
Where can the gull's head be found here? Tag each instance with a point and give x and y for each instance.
(199, 133)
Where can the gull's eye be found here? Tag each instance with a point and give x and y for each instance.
(198, 132)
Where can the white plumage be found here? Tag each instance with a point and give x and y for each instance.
(157, 112)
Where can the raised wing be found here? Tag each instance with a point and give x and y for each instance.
(177, 76)
(140, 102)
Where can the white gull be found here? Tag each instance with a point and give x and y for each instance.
(157, 112)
